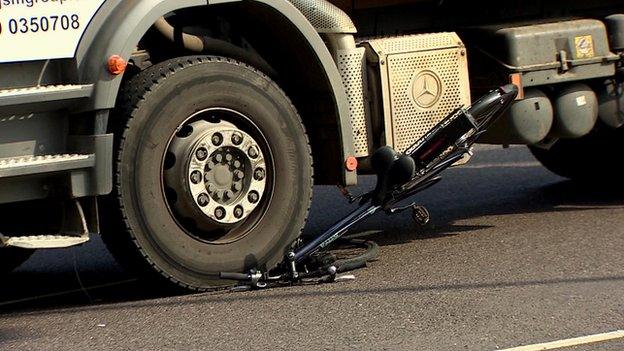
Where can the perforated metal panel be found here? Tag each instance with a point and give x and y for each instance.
(352, 67)
(325, 17)
(424, 78)
(412, 43)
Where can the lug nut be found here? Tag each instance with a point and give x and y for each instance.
(238, 211)
(217, 139)
(201, 154)
(237, 139)
(203, 200)
(252, 152)
(212, 188)
(219, 212)
(228, 157)
(210, 165)
(259, 174)
(238, 175)
(218, 195)
(237, 187)
(196, 177)
(229, 194)
(237, 164)
(253, 197)
(219, 158)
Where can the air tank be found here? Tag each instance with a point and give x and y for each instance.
(576, 111)
(611, 100)
(527, 121)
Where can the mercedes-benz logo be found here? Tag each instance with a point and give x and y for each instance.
(426, 89)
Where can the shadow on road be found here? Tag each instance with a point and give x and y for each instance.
(283, 293)
(446, 211)
(484, 192)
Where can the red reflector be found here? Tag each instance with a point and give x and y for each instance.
(117, 65)
(351, 164)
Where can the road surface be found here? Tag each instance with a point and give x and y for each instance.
(514, 256)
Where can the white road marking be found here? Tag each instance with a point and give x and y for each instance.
(583, 340)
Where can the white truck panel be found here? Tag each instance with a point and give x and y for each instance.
(43, 29)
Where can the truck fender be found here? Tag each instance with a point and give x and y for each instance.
(119, 26)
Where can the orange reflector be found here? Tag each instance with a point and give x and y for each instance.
(516, 79)
(117, 65)
(351, 164)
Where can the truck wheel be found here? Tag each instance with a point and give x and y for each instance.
(213, 172)
(13, 257)
(586, 159)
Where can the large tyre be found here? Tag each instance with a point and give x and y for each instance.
(587, 159)
(213, 173)
(13, 257)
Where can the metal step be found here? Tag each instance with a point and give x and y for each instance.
(41, 94)
(43, 241)
(19, 166)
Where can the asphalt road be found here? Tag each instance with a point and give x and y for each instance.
(514, 256)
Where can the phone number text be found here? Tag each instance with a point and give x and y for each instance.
(41, 24)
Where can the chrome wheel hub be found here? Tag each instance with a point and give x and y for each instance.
(226, 171)
(215, 175)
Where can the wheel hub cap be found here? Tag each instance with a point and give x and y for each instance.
(220, 171)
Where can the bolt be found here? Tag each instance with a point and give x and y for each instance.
(201, 154)
(237, 187)
(218, 158)
(252, 152)
(218, 195)
(237, 139)
(196, 177)
(210, 165)
(217, 139)
(259, 174)
(203, 200)
(238, 212)
(253, 197)
(238, 175)
(219, 212)
(212, 188)
(237, 164)
(228, 157)
(229, 194)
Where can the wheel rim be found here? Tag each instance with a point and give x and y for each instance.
(217, 175)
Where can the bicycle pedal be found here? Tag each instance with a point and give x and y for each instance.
(420, 215)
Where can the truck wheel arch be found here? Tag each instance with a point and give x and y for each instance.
(120, 25)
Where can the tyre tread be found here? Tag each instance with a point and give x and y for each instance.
(134, 93)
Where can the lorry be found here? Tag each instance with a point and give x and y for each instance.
(189, 133)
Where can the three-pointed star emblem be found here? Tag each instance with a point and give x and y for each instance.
(426, 89)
